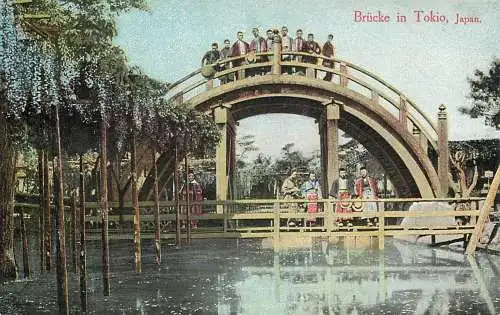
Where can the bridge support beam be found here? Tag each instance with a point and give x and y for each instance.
(443, 154)
(331, 140)
(221, 115)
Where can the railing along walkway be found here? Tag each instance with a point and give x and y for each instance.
(268, 218)
(344, 73)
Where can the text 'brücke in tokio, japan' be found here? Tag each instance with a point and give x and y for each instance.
(418, 16)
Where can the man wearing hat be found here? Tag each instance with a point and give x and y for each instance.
(342, 188)
(366, 188)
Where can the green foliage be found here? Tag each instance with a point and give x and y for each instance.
(485, 95)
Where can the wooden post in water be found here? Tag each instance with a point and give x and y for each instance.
(41, 210)
(381, 226)
(74, 228)
(26, 260)
(485, 212)
(48, 213)
(188, 207)
(83, 241)
(62, 272)
(156, 207)
(104, 204)
(135, 202)
(176, 198)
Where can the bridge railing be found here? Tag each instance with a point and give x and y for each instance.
(272, 218)
(343, 73)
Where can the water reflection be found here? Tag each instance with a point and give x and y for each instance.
(250, 277)
(404, 280)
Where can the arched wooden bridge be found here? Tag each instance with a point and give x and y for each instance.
(411, 147)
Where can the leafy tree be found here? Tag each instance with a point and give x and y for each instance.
(485, 95)
(29, 87)
(246, 144)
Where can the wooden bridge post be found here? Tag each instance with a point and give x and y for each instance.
(381, 226)
(403, 111)
(332, 142)
(485, 211)
(443, 150)
(221, 119)
(276, 67)
(343, 70)
(422, 140)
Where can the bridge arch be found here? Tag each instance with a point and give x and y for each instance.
(391, 127)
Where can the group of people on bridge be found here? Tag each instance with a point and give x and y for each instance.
(364, 187)
(260, 44)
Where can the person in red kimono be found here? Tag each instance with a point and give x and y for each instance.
(194, 193)
(311, 191)
(366, 188)
(342, 188)
(328, 51)
(240, 48)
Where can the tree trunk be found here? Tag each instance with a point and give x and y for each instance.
(8, 269)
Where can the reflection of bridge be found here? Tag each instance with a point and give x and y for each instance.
(394, 129)
(435, 281)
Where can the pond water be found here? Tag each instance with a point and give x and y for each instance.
(313, 276)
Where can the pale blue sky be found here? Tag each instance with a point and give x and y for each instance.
(429, 62)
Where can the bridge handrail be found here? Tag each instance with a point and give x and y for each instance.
(430, 134)
(274, 201)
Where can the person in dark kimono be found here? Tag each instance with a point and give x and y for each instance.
(225, 53)
(211, 56)
(328, 51)
(311, 47)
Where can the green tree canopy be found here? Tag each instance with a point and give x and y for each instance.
(485, 95)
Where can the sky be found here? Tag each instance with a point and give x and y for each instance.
(428, 61)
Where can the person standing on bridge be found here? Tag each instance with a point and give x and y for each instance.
(328, 51)
(290, 191)
(211, 56)
(286, 47)
(258, 45)
(298, 45)
(240, 48)
(269, 39)
(311, 47)
(342, 188)
(224, 54)
(366, 188)
(311, 190)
